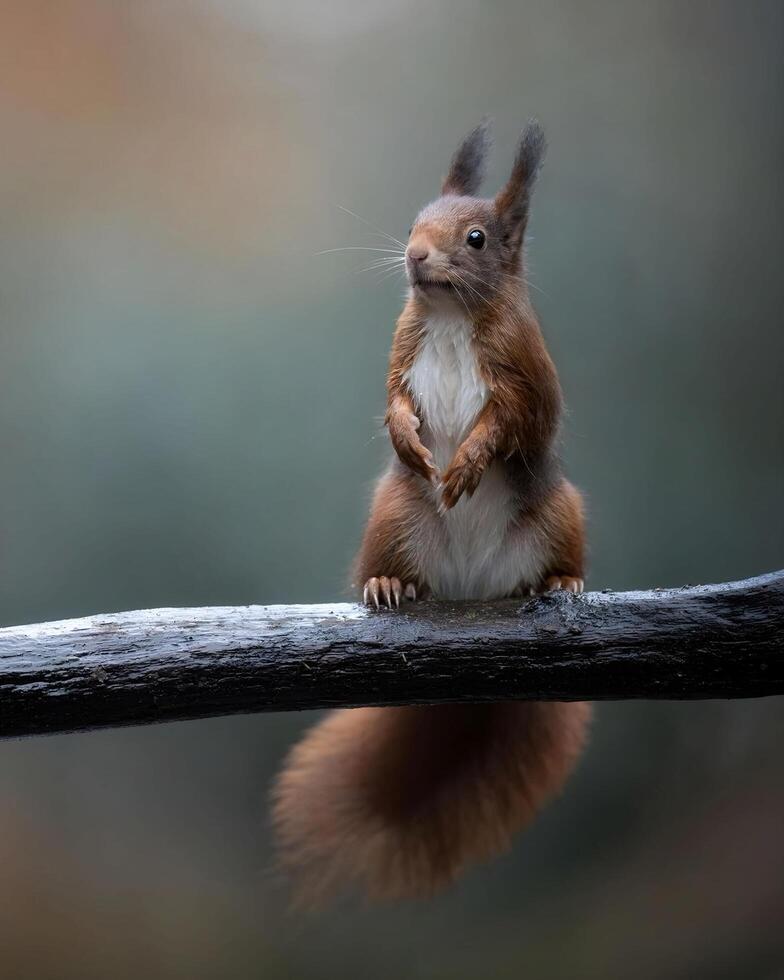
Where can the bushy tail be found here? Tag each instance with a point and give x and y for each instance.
(398, 801)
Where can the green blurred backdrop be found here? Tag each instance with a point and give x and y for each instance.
(189, 414)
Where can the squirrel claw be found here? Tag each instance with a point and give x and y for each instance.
(387, 592)
(370, 592)
(566, 583)
(397, 591)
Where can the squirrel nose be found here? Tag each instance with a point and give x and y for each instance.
(417, 253)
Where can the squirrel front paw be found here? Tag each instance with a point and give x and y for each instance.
(403, 426)
(463, 476)
(383, 591)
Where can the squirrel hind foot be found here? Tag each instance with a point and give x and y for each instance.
(387, 591)
(566, 583)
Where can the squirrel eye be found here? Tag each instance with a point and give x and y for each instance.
(475, 238)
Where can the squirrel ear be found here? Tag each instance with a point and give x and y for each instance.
(468, 164)
(513, 199)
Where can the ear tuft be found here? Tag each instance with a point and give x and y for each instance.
(468, 164)
(514, 198)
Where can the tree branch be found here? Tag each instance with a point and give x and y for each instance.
(717, 641)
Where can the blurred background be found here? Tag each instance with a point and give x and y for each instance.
(190, 400)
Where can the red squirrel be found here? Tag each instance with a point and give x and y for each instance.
(398, 801)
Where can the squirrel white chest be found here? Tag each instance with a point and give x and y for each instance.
(446, 384)
(475, 550)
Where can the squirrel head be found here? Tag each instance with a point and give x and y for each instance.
(467, 247)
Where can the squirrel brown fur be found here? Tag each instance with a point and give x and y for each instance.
(398, 801)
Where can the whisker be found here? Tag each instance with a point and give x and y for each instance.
(388, 274)
(468, 312)
(384, 274)
(381, 268)
(374, 227)
(464, 282)
(390, 260)
(493, 306)
(358, 248)
(532, 285)
(476, 292)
